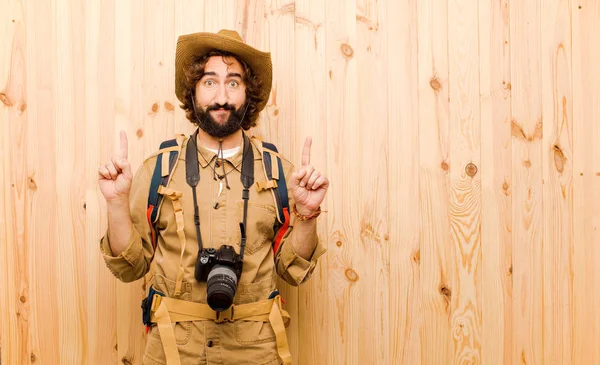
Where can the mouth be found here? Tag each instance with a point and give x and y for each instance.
(220, 113)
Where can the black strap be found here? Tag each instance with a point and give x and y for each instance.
(192, 175)
(247, 178)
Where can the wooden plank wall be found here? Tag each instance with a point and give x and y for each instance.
(461, 138)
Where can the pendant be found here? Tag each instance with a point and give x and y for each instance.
(220, 188)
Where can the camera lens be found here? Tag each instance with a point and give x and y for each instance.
(221, 285)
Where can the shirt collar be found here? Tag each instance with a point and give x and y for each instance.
(206, 156)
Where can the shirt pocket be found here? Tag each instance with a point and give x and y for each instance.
(260, 226)
(253, 332)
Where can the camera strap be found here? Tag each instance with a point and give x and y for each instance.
(192, 175)
(247, 178)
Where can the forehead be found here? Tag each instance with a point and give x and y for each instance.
(223, 65)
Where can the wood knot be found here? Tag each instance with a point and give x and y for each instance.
(505, 188)
(31, 184)
(351, 275)
(559, 159)
(510, 271)
(527, 163)
(126, 361)
(155, 107)
(169, 106)
(23, 299)
(417, 257)
(347, 51)
(445, 166)
(139, 133)
(435, 83)
(33, 358)
(276, 112)
(338, 243)
(23, 107)
(330, 74)
(471, 169)
(84, 206)
(445, 292)
(5, 100)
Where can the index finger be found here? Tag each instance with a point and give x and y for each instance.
(306, 151)
(124, 146)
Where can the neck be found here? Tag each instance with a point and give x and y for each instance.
(231, 141)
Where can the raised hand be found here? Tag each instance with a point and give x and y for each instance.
(308, 185)
(114, 178)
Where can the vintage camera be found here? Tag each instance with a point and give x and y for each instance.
(221, 269)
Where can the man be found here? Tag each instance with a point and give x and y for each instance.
(222, 84)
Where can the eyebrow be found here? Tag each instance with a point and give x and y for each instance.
(231, 74)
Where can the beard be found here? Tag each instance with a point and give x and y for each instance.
(209, 125)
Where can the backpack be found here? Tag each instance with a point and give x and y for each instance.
(166, 160)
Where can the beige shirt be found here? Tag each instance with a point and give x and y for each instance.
(206, 342)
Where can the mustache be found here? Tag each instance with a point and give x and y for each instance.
(225, 106)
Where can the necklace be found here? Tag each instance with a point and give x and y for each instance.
(216, 174)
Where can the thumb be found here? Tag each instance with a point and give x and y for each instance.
(125, 167)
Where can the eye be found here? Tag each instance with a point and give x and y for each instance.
(209, 83)
(233, 83)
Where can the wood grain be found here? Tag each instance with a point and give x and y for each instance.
(526, 130)
(465, 180)
(586, 189)
(374, 265)
(403, 183)
(343, 257)
(557, 157)
(69, 136)
(437, 265)
(496, 183)
(41, 162)
(14, 245)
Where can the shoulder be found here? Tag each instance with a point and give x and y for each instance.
(177, 143)
(273, 150)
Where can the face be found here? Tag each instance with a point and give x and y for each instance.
(221, 96)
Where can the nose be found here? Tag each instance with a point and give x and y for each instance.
(221, 95)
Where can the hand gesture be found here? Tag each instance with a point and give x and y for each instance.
(114, 178)
(308, 185)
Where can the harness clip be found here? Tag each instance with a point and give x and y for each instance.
(225, 316)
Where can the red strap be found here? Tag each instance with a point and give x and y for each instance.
(282, 230)
(149, 217)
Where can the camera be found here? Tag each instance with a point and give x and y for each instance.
(221, 269)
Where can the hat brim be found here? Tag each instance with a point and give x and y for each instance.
(190, 46)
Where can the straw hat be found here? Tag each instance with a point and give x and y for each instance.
(197, 44)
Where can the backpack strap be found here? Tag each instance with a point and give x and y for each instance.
(274, 171)
(166, 160)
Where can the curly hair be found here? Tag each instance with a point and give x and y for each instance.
(194, 73)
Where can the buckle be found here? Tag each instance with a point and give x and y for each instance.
(225, 316)
(156, 299)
